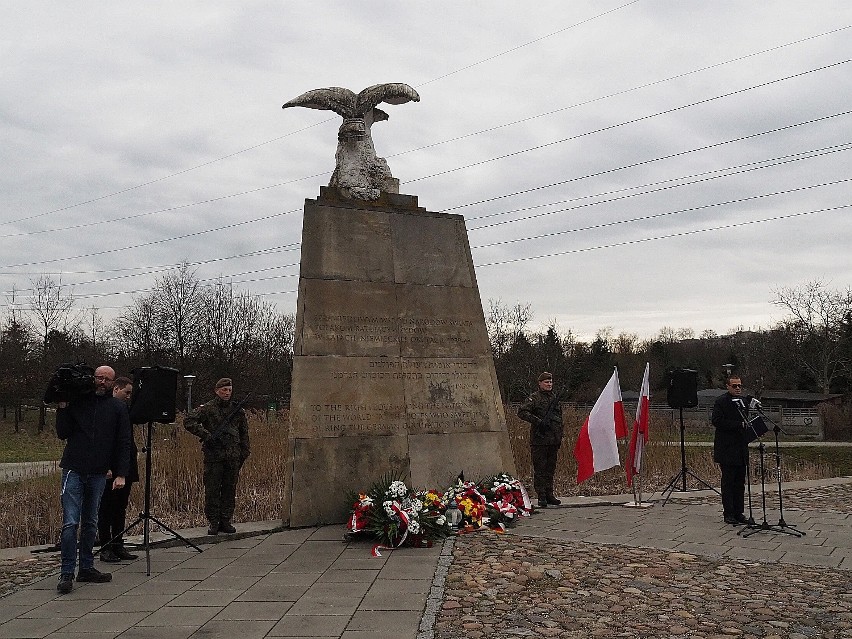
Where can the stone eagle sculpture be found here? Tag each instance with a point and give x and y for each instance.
(359, 173)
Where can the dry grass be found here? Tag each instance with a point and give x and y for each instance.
(31, 515)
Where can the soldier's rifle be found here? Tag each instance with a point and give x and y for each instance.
(215, 437)
(553, 403)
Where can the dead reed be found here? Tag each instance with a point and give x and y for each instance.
(31, 515)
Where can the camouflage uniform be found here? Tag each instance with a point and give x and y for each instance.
(225, 448)
(545, 438)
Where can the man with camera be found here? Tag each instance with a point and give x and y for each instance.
(96, 430)
(223, 430)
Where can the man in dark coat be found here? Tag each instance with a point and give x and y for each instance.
(112, 514)
(543, 412)
(223, 431)
(730, 448)
(96, 430)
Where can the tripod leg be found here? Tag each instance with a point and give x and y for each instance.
(183, 539)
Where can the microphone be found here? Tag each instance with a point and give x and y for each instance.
(754, 404)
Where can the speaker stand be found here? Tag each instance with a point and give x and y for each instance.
(145, 517)
(684, 471)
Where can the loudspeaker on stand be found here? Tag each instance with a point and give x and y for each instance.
(154, 395)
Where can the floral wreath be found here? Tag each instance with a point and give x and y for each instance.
(397, 515)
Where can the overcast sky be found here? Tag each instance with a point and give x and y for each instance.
(683, 159)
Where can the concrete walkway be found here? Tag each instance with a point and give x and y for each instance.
(310, 583)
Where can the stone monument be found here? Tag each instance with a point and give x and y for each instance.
(392, 370)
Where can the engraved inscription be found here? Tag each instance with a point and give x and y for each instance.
(433, 395)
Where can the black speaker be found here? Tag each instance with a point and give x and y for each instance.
(683, 388)
(154, 395)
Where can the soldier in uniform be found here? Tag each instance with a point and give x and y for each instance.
(223, 431)
(542, 411)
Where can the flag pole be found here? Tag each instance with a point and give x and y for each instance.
(636, 450)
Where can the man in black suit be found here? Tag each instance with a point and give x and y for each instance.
(730, 448)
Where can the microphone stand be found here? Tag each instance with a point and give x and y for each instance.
(751, 528)
(741, 409)
(782, 525)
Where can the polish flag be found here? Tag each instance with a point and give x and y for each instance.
(596, 447)
(640, 431)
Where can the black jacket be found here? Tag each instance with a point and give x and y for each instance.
(97, 433)
(730, 443)
(544, 414)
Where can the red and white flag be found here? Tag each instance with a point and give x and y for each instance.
(596, 447)
(640, 431)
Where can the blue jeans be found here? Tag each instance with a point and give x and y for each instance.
(81, 497)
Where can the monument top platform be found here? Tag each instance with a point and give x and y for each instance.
(395, 201)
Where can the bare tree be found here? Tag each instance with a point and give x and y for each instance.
(178, 302)
(819, 318)
(625, 344)
(505, 323)
(137, 331)
(275, 335)
(51, 305)
(230, 321)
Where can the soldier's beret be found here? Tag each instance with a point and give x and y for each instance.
(544, 376)
(222, 383)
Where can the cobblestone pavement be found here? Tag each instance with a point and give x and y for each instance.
(20, 572)
(514, 586)
(831, 498)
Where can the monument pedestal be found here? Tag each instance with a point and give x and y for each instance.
(392, 370)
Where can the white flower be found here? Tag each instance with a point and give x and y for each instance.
(397, 489)
(441, 520)
(414, 527)
(388, 508)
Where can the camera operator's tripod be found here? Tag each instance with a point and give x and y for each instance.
(684, 471)
(145, 516)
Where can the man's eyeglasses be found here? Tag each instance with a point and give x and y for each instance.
(736, 385)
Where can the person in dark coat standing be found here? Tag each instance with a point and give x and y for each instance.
(96, 430)
(223, 431)
(112, 514)
(543, 412)
(730, 448)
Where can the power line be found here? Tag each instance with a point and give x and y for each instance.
(256, 146)
(488, 130)
(625, 123)
(526, 44)
(607, 171)
(648, 192)
(154, 242)
(663, 237)
(263, 251)
(643, 163)
(620, 92)
(645, 218)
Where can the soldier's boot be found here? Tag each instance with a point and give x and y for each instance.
(226, 527)
(213, 529)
